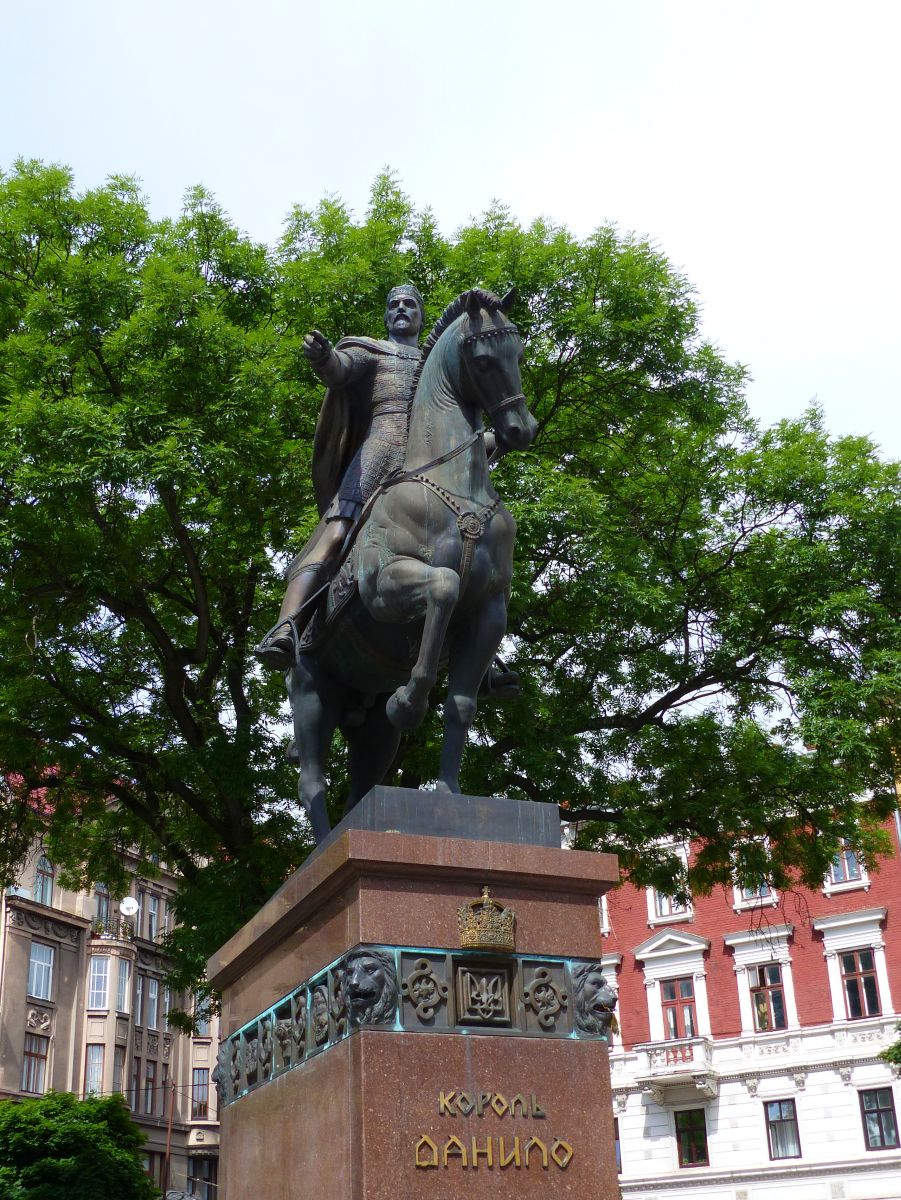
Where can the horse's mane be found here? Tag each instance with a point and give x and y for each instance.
(486, 299)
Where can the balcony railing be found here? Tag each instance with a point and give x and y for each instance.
(117, 929)
(675, 1055)
(677, 1063)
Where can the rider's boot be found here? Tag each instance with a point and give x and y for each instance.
(278, 649)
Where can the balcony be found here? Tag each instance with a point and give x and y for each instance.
(118, 930)
(682, 1062)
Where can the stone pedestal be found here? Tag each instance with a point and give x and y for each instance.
(368, 1056)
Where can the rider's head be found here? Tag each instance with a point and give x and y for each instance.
(404, 312)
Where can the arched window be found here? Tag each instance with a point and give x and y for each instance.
(43, 881)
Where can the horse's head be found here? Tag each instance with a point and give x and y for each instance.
(491, 354)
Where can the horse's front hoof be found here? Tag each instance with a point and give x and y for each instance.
(402, 714)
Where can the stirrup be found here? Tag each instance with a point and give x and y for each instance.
(499, 682)
(278, 648)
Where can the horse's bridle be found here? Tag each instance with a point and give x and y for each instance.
(490, 407)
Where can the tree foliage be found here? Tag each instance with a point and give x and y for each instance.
(56, 1146)
(705, 614)
(893, 1054)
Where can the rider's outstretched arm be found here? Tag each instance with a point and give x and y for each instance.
(335, 368)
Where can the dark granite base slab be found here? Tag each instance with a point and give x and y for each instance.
(436, 814)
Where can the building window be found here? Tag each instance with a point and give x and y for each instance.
(139, 915)
(43, 881)
(40, 971)
(34, 1064)
(758, 891)
(98, 981)
(673, 964)
(135, 1090)
(153, 1165)
(667, 906)
(618, 1146)
(200, 1094)
(846, 866)
(753, 895)
(782, 1129)
(119, 1069)
(768, 997)
(202, 1178)
(139, 998)
(123, 986)
(153, 1002)
(859, 983)
(678, 996)
(880, 1129)
(691, 1138)
(855, 954)
(101, 903)
(149, 1087)
(93, 1071)
(201, 1017)
(153, 916)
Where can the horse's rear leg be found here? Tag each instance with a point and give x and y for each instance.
(408, 590)
(371, 749)
(471, 653)
(315, 711)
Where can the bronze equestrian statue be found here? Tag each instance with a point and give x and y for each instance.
(427, 577)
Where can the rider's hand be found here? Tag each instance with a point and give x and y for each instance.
(316, 347)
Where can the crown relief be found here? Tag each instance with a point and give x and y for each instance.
(486, 925)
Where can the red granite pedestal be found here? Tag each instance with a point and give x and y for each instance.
(420, 1104)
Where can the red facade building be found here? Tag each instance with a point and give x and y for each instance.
(746, 1066)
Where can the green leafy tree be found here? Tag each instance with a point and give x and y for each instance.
(705, 615)
(58, 1146)
(893, 1054)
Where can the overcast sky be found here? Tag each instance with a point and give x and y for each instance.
(755, 142)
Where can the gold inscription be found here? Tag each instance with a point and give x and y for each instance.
(424, 1146)
(507, 1152)
(561, 1153)
(454, 1146)
(482, 1153)
(456, 1103)
(512, 1158)
(487, 1153)
(535, 1143)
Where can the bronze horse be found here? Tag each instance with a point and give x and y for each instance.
(428, 577)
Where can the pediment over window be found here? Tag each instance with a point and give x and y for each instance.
(767, 943)
(848, 930)
(671, 944)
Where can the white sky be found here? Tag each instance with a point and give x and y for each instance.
(754, 141)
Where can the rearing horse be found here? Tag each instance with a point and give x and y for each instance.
(429, 576)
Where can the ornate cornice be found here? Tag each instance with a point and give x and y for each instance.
(49, 923)
(417, 990)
